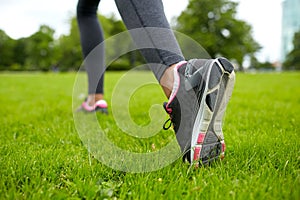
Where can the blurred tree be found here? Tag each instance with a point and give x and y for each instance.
(255, 64)
(212, 23)
(69, 45)
(68, 53)
(293, 58)
(40, 49)
(19, 53)
(6, 50)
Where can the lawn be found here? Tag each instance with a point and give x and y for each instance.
(44, 156)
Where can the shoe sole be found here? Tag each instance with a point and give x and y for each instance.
(101, 110)
(207, 142)
(97, 109)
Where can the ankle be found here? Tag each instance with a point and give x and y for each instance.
(167, 80)
(93, 98)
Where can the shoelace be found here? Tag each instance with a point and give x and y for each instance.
(169, 122)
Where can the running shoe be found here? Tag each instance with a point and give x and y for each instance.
(99, 106)
(201, 91)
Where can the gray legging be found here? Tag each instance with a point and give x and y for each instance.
(135, 14)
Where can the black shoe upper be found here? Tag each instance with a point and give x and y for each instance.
(183, 108)
(197, 104)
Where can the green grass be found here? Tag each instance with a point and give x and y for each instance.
(42, 156)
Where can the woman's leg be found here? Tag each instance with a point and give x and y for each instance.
(149, 14)
(91, 35)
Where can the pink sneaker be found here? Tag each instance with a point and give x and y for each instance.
(100, 106)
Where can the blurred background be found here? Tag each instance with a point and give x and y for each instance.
(256, 35)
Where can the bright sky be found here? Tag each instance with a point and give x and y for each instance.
(21, 18)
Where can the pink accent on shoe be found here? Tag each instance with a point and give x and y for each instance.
(201, 137)
(101, 104)
(197, 152)
(98, 104)
(176, 84)
(169, 110)
(223, 146)
(86, 107)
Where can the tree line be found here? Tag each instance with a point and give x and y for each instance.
(212, 23)
(42, 51)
